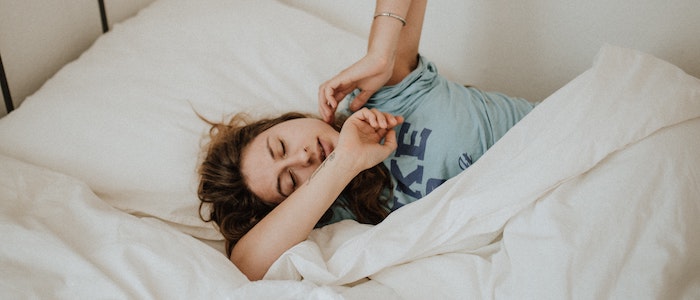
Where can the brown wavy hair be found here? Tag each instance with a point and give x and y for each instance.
(235, 209)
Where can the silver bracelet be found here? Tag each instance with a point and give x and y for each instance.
(395, 16)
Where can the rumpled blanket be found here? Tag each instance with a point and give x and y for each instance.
(595, 194)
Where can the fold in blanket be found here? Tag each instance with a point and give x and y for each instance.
(60, 241)
(625, 97)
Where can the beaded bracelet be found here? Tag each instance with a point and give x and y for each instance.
(395, 16)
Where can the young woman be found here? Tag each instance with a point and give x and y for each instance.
(269, 183)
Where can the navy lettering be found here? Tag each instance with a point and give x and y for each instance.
(403, 184)
(465, 161)
(432, 184)
(411, 149)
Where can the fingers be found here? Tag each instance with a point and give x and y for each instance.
(369, 135)
(360, 100)
(377, 119)
(326, 108)
(330, 94)
(390, 140)
(326, 105)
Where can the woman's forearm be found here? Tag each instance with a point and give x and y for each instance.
(395, 42)
(292, 220)
(386, 31)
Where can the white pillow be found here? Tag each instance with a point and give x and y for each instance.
(122, 117)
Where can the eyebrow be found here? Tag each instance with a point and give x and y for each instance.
(279, 176)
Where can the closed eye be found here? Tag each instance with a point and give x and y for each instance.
(276, 155)
(284, 148)
(293, 178)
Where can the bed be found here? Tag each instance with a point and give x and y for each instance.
(594, 195)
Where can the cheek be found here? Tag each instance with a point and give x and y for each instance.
(263, 188)
(253, 164)
(305, 173)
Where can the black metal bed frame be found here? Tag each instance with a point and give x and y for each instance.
(7, 96)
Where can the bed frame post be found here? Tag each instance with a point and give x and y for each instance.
(103, 16)
(9, 106)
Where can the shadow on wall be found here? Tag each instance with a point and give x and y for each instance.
(531, 48)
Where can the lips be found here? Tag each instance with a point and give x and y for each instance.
(324, 150)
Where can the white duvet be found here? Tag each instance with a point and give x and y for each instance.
(594, 195)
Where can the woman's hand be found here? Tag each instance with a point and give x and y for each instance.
(362, 134)
(368, 74)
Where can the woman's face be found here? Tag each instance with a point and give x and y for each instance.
(284, 156)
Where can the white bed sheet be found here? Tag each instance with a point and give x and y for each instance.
(552, 211)
(60, 241)
(595, 194)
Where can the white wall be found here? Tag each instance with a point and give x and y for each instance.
(120, 10)
(526, 48)
(530, 48)
(38, 37)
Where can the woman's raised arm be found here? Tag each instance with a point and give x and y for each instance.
(392, 53)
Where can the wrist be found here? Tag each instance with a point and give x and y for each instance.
(344, 162)
(392, 15)
(381, 61)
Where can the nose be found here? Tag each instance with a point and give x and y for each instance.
(302, 158)
(303, 163)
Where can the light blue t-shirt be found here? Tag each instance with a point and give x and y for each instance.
(447, 128)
